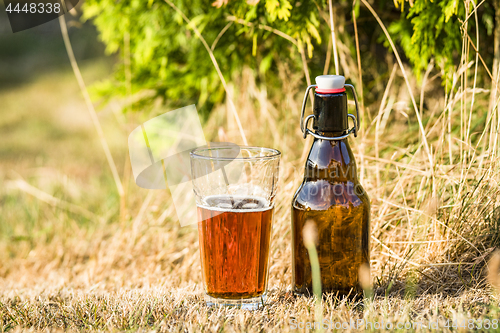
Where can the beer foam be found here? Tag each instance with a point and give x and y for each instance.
(230, 203)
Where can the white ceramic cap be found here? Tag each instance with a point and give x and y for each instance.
(330, 82)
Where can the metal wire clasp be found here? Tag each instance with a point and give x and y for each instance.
(303, 124)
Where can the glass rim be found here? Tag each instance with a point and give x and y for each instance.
(273, 153)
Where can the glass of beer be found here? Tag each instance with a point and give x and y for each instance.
(235, 189)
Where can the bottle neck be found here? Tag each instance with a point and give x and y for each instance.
(330, 114)
(331, 160)
(332, 134)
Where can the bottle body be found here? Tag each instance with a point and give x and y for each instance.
(333, 199)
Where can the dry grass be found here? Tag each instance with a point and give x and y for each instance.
(182, 309)
(71, 258)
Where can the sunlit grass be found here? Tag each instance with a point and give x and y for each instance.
(70, 259)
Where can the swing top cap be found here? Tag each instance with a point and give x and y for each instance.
(325, 82)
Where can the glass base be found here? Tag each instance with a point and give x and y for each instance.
(253, 303)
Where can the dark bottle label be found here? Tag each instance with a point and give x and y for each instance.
(330, 113)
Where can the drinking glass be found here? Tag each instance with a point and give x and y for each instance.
(235, 189)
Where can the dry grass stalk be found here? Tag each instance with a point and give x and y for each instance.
(424, 138)
(334, 41)
(90, 105)
(216, 65)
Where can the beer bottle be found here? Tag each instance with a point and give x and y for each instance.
(331, 196)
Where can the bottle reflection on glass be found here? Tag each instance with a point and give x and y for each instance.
(332, 198)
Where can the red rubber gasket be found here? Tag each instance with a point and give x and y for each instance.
(329, 91)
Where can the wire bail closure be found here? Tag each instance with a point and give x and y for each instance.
(306, 131)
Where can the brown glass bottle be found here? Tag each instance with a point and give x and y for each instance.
(333, 199)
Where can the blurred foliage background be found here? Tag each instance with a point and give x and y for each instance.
(168, 58)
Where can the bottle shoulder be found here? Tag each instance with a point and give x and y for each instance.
(330, 178)
(326, 154)
(322, 194)
(331, 160)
